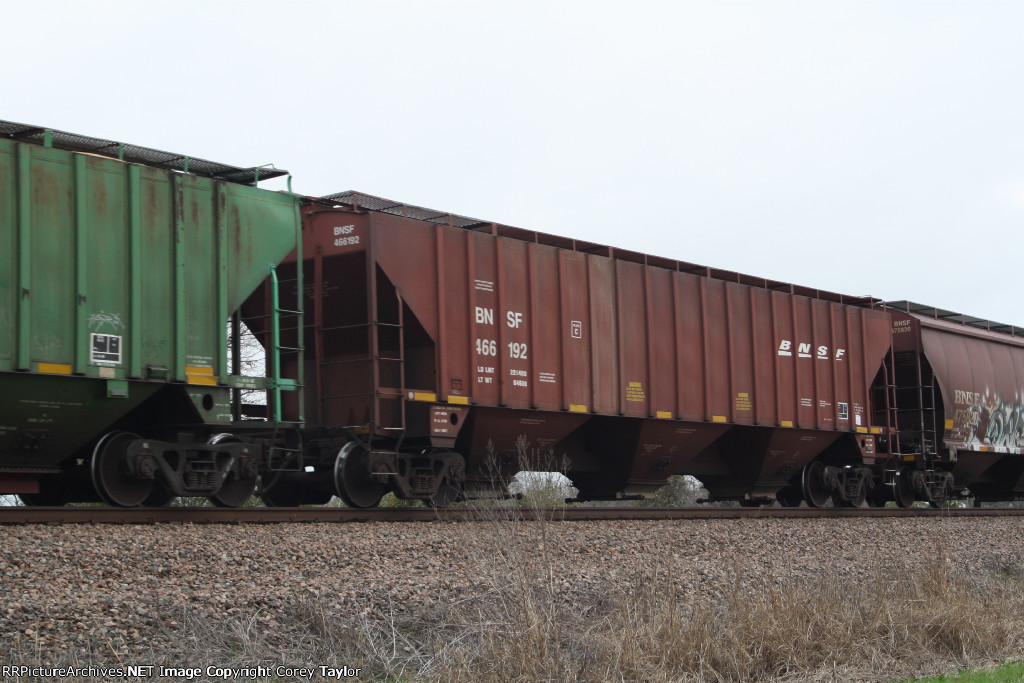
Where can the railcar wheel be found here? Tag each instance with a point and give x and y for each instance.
(939, 501)
(879, 496)
(351, 481)
(236, 489)
(815, 492)
(110, 472)
(903, 488)
(234, 492)
(447, 493)
(856, 501)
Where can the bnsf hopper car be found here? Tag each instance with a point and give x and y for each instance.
(435, 342)
(425, 349)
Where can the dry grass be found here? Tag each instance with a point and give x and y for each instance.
(521, 624)
(522, 621)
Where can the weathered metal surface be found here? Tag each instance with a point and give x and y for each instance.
(135, 154)
(551, 338)
(979, 377)
(116, 278)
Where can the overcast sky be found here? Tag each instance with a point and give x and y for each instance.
(860, 147)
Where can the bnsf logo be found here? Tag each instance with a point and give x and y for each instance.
(803, 350)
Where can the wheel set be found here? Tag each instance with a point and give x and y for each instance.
(128, 471)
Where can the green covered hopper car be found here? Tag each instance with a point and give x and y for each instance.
(119, 269)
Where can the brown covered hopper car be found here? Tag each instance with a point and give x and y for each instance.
(434, 343)
(959, 399)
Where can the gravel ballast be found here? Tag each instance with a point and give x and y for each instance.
(118, 594)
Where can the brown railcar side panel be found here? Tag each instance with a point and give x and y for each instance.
(716, 335)
(840, 366)
(877, 342)
(482, 305)
(955, 370)
(661, 340)
(691, 378)
(1006, 385)
(740, 343)
(906, 332)
(667, 447)
(822, 349)
(574, 296)
(603, 336)
(560, 330)
(789, 451)
(860, 410)
(982, 387)
(407, 252)
(546, 336)
(513, 324)
(632, 324)
(499, 428)
(1009, 382)
(764, 400)
(803, 340)
(453, 302)
(784, 350)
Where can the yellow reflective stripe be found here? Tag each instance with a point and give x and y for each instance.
(55, 368)
(663, 414)
(862, 430)
(786, 423)
(195, 374)
(577, 408)
(423, 396)
(461, 400)
(718, 418)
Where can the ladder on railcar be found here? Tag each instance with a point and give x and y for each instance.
(911, 409)
(921, 405)
(886, 395)
(378, 376)
(286, 348)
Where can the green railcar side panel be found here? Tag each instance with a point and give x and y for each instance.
(200, 272)
(80, 260)
(111, 272)
(157, 291)
(250, 251)
(8, 255)
(47, 418)
(105, 259)
(51, 297)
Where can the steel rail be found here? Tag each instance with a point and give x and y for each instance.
(306, 515)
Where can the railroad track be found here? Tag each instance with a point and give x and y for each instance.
(209, 515)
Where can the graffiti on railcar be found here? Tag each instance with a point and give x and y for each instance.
(987, 419)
